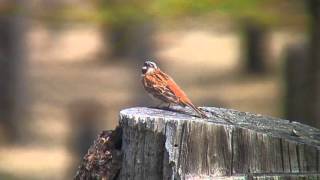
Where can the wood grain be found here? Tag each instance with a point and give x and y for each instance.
(173, 144)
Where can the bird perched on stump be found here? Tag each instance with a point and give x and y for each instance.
(161, 86)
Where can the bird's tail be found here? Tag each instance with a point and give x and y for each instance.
(198, 111)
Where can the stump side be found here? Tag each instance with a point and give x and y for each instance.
(160, 144)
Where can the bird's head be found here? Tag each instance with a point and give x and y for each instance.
(149, 67)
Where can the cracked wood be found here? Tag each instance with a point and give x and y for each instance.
(163, 144)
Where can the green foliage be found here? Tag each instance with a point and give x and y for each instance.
(132, 11)
(177, 8)
(122, 11)
(265, 11)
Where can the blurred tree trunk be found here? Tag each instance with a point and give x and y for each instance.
(126, 34)
(11, 57)
(85, 116)
(295, 79)
(303, 74)
(255, 47)
(130, 40)
(133, 42)
(313, 76)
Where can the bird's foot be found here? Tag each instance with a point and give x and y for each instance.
(161, 106)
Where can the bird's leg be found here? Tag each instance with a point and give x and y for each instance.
(166, 107)
(158, 106)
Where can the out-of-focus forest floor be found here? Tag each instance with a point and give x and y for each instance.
(65, 72)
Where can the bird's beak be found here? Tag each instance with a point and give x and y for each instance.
(144, 69)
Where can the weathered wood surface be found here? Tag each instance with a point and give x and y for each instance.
(162, 144)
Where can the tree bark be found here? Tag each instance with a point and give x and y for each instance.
(103, 159)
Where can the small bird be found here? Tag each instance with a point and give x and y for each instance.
(162, 87)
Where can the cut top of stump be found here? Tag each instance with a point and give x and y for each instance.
(165, 144)
(290, 130)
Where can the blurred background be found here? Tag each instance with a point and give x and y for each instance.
(67, 67)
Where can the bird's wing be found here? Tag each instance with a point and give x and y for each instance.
(181, 95)
(173, 88)
(163, 87)
(156, 84)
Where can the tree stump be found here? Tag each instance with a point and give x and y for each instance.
(162, 144)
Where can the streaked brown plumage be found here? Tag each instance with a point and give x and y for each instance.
(163, 87)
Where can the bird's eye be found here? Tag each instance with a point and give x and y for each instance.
(145, 64)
